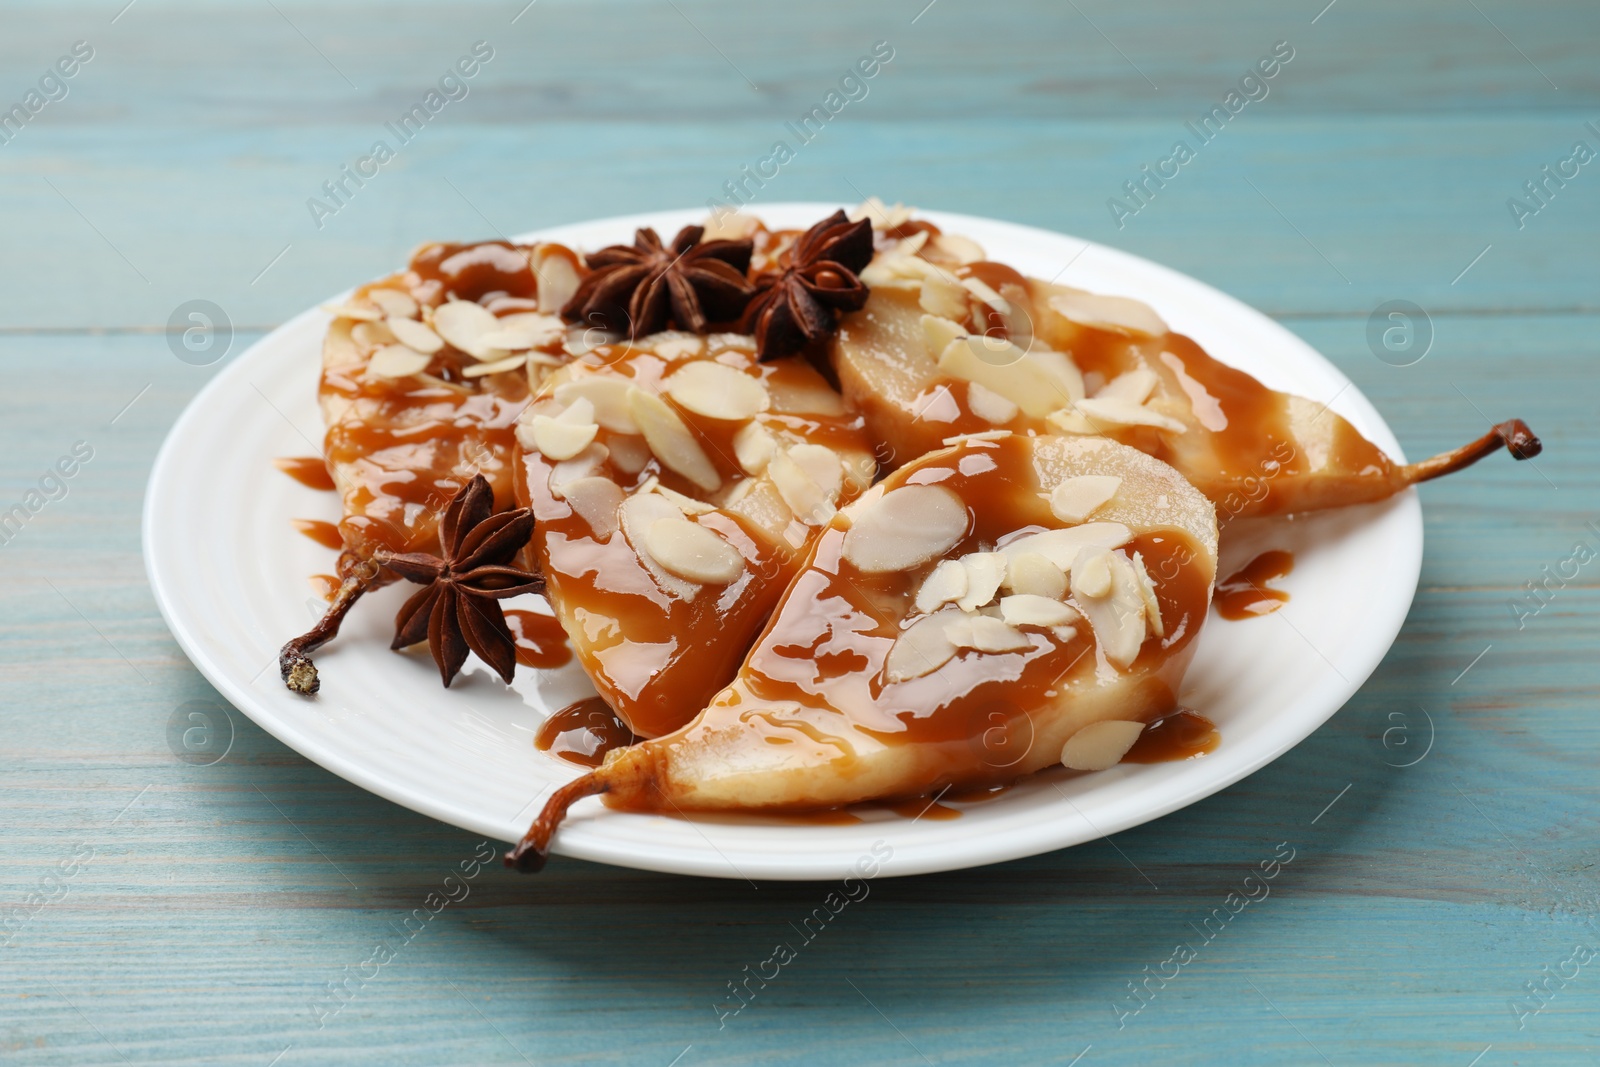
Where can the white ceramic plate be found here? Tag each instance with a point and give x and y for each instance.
(230, 574)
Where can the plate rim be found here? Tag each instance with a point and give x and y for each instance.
(1371, 649)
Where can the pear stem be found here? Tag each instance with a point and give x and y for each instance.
(294, 659)
(529, 855)
(1514, 435)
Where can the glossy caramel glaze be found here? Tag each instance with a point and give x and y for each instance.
(815, 719)
(1182, 735)
(323, 533)
(309, 471)
(1251, 449)
(826, 649)
(541, 642)
(923, 808)
(657, 657)
(583, 733)
(399, 449)
(1246, 594)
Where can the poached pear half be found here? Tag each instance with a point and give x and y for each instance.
(949, 345)
(988, 610)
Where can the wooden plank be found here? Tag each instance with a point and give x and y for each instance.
(1411, 921)
(1327, 227)
(209, 908)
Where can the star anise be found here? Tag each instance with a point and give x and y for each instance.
(458, 607)
(802, 304)
(640, 289)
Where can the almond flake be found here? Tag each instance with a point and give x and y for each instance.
(596, 501)
(940, 330)
(609, 397)
(717, 391)
(640, 512)
(822, 465)
(397, 361)
(1131, 387)
(1061, 547)
(946, 583)
(986, 435)
(989, 405)
(415, 334)
(499, 366)
(1075, 499)
(1119, 314)
(753, 446)
(673, 344)
(921, 648)
(883, 218)
(985, 634)
(1031, 574)
(518, 338)
(1117, 614)
(1100, 745)
(671, 440)
(686, 504)
(353, 311)
(963, 250)
(807, 501)
(717, 343)
(905, 528)
(692, 551)
(987, 295)
(730, 226)
(910, 246)
(464, 323)
(795, 392)
(371, 335)
(1106, 412)
(985, 571)
(1072, 422)
(395, 304)
(569, 471)
(558, 278)
(1091, 573)
(1025, 609)
(943, 298)
(565, 435)
(999, 366)
(1147, 593)
(1061, 370)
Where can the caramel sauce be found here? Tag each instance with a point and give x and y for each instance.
(1182, 735)
(826, 649)
(541, 642)
(583, 733)
(1245, 593)
(323, 533)
(658, 658)
(977, 795)
(324, 585)
(822, 817)
(309, 471)
(472, 271)
(404, 447)
(924, 808)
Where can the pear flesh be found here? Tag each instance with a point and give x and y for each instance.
(676, 483)
(816, 719)
(1066, 361)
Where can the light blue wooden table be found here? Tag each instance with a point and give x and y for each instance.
(172, 913)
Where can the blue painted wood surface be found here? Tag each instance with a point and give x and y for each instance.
(180, 914)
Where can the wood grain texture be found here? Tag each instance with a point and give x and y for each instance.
(208, 908)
